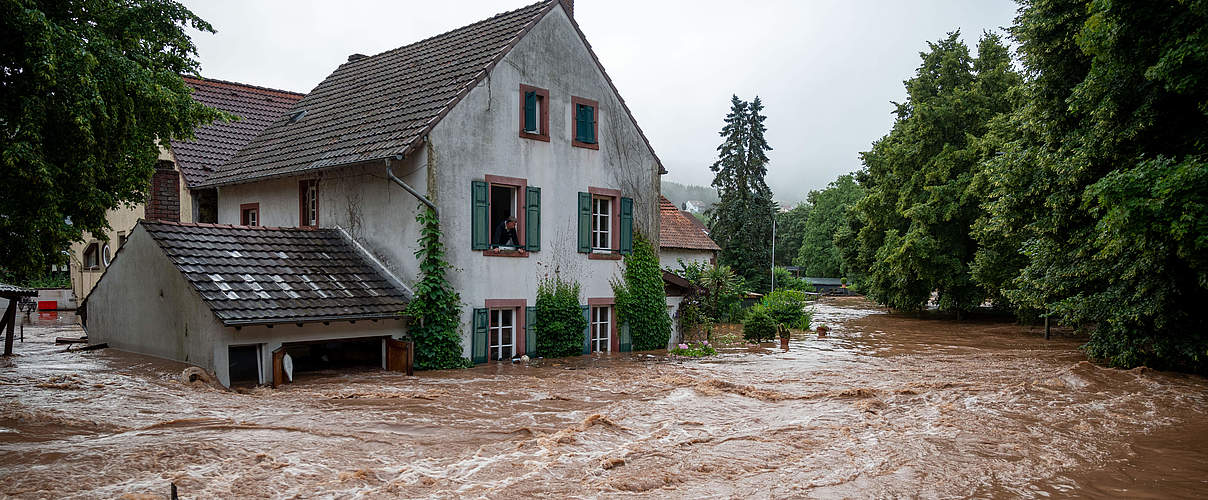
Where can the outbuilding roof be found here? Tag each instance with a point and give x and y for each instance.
(380, 106)
(678, 229)
(265, 275)
(214, 144)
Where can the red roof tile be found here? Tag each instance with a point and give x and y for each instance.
(216, 143)
(678, 229)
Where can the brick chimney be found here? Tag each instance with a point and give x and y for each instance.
(569, 7)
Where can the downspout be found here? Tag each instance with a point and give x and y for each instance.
(404, 185)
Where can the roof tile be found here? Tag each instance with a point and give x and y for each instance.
(679, 229)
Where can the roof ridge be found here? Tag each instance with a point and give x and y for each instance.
(438, 35)
(248, 86)
(229, 226)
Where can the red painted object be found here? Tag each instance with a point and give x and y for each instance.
(48, 305)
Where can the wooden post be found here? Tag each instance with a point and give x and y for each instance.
(1047, 331)
(10, 317)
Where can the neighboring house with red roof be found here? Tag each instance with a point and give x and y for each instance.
(175, 193)
(682, 237)
(512, 117)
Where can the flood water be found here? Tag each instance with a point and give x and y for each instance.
(885, 406)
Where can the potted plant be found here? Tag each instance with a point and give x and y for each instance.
(784, 336)
(822, 330)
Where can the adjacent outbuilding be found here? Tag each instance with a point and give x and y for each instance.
(237, 300)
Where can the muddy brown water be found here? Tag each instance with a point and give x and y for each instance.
(885, 406)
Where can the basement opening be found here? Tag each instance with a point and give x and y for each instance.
(244, 364)
(343, 354)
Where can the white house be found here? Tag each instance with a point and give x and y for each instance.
(510, 117)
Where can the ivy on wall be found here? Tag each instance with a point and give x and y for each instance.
(436, 308)
(560, 321)
(641, 300)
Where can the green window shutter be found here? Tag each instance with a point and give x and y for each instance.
(626, 225)
(626, 340)
(532, 219)
(530, 112)
(530, 330)
(480, 219)
(585, 124)
(478, 349)
(579, 122)
(587, 330)
(584, 222)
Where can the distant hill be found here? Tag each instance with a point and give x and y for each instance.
(679, 193)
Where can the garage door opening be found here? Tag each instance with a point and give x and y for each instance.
(342, 355)
(244, 364)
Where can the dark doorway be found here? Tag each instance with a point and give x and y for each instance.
(244, 364)
(335, 355)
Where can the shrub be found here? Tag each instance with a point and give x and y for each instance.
(641, 300)
(786, 281)
(694, 350)
(720, 289)
(787, 307)
(560, 320)
(436, 306)
(759, 325)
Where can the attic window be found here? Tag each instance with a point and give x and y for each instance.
(534, 113)
(586, 121)
(297, 115)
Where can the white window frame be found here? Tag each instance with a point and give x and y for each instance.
(601, 222)
(312, 203)
(601, 328)
(251, 216)
(496, 330)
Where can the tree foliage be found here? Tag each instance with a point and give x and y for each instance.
(560, 321)
(1098, 201)
(88, 91)
(742, 219)
(911, 235)
(641, 300)
(436, 307)
(718, 288)
(826, 213)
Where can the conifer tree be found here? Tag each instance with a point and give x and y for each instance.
(742, 219)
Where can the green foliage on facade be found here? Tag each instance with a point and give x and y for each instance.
(436, 308)
(1097, 208)
(560, 321)
(91, 88)
(640, 298)
(742, 219)
(911, 235)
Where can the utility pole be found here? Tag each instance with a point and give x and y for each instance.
(773, 252)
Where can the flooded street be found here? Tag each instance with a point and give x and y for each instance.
(885, 406)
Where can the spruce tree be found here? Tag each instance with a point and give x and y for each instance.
(742, 219)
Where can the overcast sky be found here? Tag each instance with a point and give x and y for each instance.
(826, 70)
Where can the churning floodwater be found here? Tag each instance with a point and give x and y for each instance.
(885, 406)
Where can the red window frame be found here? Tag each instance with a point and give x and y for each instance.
(519, 317)
(520, 185)
(542, 113)
(243, 210)
(614, 222)
(595, 122)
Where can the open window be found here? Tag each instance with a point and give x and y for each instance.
(92, 256)
(534, 113)
(308, 203)
(249, 214)
(506, 218)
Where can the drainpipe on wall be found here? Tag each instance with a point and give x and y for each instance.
(404, 185)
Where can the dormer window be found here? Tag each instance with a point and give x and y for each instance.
(308, 203)
(586, 122)
(534, 113)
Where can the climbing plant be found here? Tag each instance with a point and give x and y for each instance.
(436, 308)
(640, 299)
(560, 320)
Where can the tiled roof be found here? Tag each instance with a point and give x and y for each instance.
(260, 275)
(678, 229)
(8, 291)
(380, 106)
(216, 143)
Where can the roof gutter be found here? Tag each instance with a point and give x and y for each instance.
(404, 185)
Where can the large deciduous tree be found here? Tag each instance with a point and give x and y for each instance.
(911, 236)
(742, 219)
(1098, 208)
(827, 214)
(89, 89)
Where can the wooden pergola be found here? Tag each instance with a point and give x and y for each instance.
(14, 294)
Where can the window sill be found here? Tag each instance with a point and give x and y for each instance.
(604, 256)
(535, 137)
(497, 252)
(585, 145)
